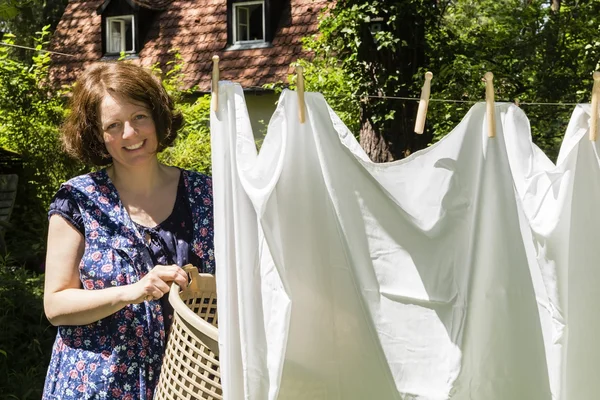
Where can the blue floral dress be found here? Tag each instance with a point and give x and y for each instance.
(119, 357)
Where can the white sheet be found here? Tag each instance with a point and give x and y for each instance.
(343, 279)
(561, 225)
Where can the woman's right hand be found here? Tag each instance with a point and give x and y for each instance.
(157, 283)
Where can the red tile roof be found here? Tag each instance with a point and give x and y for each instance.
(198, 28)
(149, 4)
(153, 4)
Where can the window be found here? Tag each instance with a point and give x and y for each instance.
(249, 22)
(120, 34)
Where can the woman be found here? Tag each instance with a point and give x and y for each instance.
(118, 237)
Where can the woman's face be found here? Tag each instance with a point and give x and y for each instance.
(128, 130)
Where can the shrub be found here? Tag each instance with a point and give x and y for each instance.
(26, 336)
(30, 115)
(192, 147)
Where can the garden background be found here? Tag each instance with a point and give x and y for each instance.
(366, 52)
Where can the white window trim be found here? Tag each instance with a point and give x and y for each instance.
(234, 27)
(122, 19)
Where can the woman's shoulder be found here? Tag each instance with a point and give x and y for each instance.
(96, 178)
(93, 186)
(197, 178)
(73, 194)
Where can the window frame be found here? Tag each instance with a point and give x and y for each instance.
(108, 31)
(234, 27)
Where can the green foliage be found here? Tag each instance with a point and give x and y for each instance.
(325, 76)
(24, 18)
(26, 336)
(173, 77)
(536, 55)
(378, 47)
(30, 114)
(8, 9)
(192, 147)
(369, 63)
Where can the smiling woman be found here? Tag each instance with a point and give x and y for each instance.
(104, 88)
(119, 237)
(129, 132)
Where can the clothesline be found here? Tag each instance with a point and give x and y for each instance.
(519, 103)
(31, 48)
(474, 101)
(338, 96)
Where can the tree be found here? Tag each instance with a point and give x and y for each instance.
(538, 54)
(381, 46)
(8, 9)
(539, 51)
(30, 115)
(24, 18)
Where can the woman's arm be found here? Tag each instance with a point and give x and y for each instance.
(66, 303)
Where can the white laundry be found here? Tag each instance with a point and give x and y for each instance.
(561, 223)
(344, 279)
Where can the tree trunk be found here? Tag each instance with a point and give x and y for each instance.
(377, 148)
(394, 139)
(391, 138)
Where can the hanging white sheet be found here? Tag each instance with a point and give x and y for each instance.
(343, 279)
(561, 226)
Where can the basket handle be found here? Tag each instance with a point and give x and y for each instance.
(193, 276)
(178, 305)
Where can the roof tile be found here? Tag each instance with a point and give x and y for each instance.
(198, 29)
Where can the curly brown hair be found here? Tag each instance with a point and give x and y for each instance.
(82, 133)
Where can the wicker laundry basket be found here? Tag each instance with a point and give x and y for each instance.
(190, 368)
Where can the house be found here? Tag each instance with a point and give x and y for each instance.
(256, 40)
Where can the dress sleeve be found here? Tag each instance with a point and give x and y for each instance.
(64, 205)
(202, 214)
(209, 250)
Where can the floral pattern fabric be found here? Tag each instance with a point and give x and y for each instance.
(119, 357)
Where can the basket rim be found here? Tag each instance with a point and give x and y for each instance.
(189, 316)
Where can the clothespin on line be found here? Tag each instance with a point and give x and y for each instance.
(490, 106)
(300, 91)
(595, 100)
(423, 104)
(215, 84)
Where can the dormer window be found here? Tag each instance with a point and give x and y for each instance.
(249, 22)
(120, 34)
(125, 24)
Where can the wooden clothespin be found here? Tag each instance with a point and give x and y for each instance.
(490, 106)
(423, 104)
(300, 90)
(215, 83)
(595, 101)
